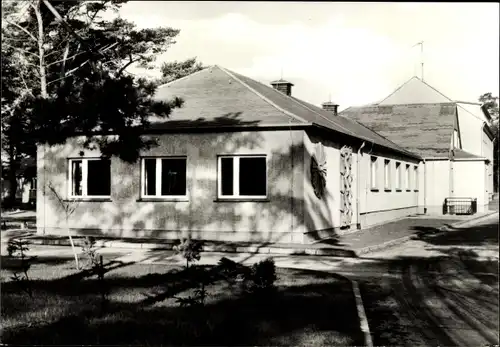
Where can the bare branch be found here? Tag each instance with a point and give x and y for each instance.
(23, 29)
(69, 73)
(20, 49)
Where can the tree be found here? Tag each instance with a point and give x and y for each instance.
(174, 70)
(64, 72)
(491, 104)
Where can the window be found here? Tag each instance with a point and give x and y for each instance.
(387, 174)
(407, 177)
(415, 177)
(242, 177)
(398, 176)
(163, 177)
(90, 177)
(373, 172)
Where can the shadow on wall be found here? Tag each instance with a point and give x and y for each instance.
(281, 219)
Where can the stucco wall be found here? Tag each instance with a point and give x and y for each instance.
(469, 181)
(437, 184)
(487, 152)
(322, 215)
(280, 219)
(380, 204)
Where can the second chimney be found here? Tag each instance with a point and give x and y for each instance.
(330, 107)
(283, 86)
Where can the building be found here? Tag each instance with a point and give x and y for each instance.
(241, 161)
(453, 138)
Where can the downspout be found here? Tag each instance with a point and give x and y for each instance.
(358, 188)
(425, 187)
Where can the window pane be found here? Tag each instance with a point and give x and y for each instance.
(150, 176)
(387, 174)
(253, 176)
(76, 174)
(173, 176)
(99, 177)
(227, 176)
(373, 169)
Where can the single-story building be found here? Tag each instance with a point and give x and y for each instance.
(240, 161)
(453, 138)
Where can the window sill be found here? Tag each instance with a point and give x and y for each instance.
(242, 200)
(83, 199)
(374, 189)
(164, 199)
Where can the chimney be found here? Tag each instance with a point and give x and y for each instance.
(283, 86)
(330, 107)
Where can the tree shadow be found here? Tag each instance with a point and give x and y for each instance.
(480, 235)
(229, 318)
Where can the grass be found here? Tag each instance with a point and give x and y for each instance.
(309, 308)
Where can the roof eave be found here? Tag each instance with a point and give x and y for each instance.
(362, 138)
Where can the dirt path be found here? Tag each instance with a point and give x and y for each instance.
(441, 291)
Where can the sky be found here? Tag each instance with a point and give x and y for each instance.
(349, 53)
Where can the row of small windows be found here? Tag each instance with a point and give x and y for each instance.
(166, 177)
(407, 179)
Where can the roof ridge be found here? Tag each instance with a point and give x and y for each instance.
(428, 85)
(184, 77)
(261, 96)
(395, 90)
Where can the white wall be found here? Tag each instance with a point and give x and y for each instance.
(487, 152)
(469, 181)
(437, 184)
(387, 202)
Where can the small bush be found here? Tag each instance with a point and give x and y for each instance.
(18, 248)
(263, 276)
(90, 251)
(189, 249)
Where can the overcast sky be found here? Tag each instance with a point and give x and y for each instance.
(356, 52)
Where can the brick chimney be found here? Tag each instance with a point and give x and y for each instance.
(283, 86)
(330, 107)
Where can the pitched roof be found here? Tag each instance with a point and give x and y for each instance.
(415, 91)
(461, 154)
(425, 129)
(221, 97)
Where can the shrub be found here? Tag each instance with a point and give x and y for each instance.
(263, 276)
(189, 249)
(17, 248)
(90, 251)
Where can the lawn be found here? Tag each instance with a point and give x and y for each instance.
(309, 308)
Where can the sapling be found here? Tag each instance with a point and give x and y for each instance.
(69, 206)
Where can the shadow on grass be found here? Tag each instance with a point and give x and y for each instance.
(319, 311)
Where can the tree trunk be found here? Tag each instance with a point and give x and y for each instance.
(72, 244)
(12, 175)
(41, 51)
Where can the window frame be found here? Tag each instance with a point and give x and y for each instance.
(85, 179)
(407, 178)
(415, 178)
(236, 178)
(158, 177)
(398, 176)
(374, 166)
(387, 175)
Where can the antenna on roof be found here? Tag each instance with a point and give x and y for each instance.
(421, 43)
(281, 73)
